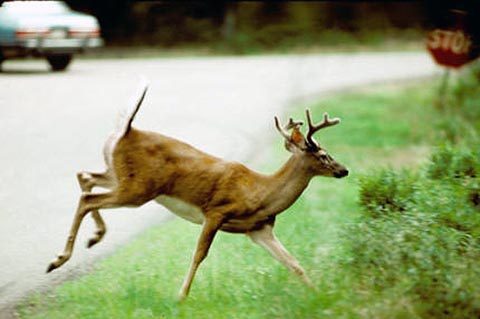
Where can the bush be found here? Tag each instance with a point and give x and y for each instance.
(440, 163)
(474, 194)
(412, 256)
(466, 164)
(449, 162)
(418, 240)
(427, 252)
(450, 204)
(386, 191)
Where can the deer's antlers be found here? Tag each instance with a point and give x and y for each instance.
(284, 130)
(312, 129)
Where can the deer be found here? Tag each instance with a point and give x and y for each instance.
(219, 195)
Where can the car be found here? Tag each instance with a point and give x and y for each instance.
(48, 29)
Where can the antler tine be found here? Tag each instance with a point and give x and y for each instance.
(312, 129)
(292, 124)
(281, 129)
(284, 130)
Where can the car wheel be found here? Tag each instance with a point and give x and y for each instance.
(59, 62)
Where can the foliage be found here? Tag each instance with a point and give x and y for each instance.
(430, 249)
(449, 162)
(245, 26)
(379, 244)
(466, 94)
(419, 238)
(461, 107)
(238, 279)
(387, 191)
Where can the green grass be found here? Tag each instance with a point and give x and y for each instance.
(415, 248)
(239, 279)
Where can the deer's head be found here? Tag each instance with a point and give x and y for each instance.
(315, 158)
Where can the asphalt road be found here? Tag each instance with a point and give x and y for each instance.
(54, 124)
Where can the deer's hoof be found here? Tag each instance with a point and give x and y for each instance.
(51, 267)
(92, 241)
(182, 296)
(61, 259)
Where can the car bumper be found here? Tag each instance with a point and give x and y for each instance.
(49, 46)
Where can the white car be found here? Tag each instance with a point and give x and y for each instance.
(47, 29)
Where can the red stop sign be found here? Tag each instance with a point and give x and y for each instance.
(450, 47)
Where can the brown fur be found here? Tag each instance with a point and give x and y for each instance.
(145, 165)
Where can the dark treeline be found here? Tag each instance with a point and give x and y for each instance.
(170, 23)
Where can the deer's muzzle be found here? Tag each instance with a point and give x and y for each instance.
(341, 173)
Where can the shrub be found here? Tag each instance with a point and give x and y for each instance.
(466, 164)
(440, 163)
(428, 253)
(410, 255)
(450, 204)
(423, 256)
(449, 162)
(386, 191)
(418, 240)
(474, 194)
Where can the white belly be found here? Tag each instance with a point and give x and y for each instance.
(182, 209)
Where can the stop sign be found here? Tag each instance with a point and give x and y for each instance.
(450, 47)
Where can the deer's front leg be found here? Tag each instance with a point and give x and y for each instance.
(209, 230)
(266, 239)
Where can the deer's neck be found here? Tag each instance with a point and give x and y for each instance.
(287, 184)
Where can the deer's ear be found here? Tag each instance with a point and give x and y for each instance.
(297, 137)
(296, 141)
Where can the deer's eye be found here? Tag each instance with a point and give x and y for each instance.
(323, 156)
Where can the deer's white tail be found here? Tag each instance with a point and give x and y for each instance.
(125, 122)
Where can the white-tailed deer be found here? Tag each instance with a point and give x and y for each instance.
(219, 195)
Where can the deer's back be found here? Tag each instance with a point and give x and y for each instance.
(148, 165)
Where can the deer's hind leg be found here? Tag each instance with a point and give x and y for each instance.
(87, 181)
(88, 202)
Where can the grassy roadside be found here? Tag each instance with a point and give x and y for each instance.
(238, 279)
(416, 247)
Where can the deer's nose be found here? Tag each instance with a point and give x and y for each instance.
(341, 173)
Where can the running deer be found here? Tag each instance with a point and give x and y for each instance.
(206, 190)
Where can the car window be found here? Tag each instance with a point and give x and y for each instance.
(35, 7)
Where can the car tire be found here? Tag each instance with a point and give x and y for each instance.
(59, 62)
